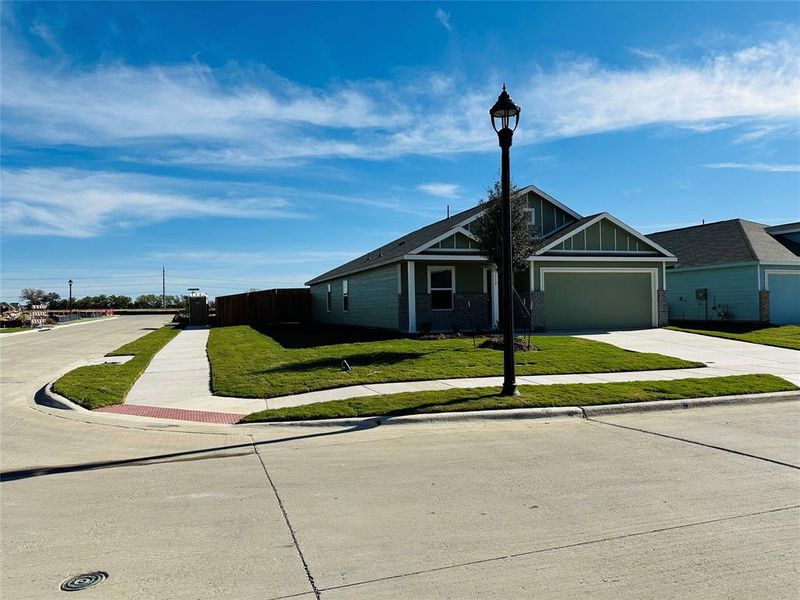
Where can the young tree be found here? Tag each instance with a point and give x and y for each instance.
(488, 229)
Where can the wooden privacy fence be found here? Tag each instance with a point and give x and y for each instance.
(290, 305)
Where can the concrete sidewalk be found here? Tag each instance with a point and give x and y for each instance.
(179, 375)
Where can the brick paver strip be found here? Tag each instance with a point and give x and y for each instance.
(159, 412)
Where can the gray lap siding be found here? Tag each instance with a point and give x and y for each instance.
(373, 299)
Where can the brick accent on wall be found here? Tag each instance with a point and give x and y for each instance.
(663, 308)
(465, 318)
(402, 310)
(537, 302)
(763, 306)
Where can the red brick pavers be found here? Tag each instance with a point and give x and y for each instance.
(159, 412)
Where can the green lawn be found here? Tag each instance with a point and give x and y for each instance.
(531, 396)
(102, 385)
(14, 329)
(249, 364)
(783, 336)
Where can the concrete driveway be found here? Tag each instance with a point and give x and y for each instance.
(731, 356)
(703, 503)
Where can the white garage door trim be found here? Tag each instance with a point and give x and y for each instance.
(653, 281)
(768, 272)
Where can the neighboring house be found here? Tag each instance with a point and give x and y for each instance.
(737, 270)
(587, 273)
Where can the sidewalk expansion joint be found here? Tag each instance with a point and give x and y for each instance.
(288, 523)
(563, 547)
(688, 441)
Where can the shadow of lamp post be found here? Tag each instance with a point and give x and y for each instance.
(505, 117)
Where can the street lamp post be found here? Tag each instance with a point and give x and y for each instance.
(505, 117)
(69, 305)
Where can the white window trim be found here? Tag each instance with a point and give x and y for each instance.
(451, 289)
(653, 281)
(328, 299)
(399, 278)
(345, 294)
(768, 272)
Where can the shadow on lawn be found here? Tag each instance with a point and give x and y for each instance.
(313, 336)
(360, 360)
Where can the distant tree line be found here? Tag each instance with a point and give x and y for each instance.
(55, 302)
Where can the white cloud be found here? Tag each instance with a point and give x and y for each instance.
(193, 114)
(443, 18)
(443, 190)
(73, 203)
(770, 167)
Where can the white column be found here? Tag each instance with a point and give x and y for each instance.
(412, 298)
(495, 300)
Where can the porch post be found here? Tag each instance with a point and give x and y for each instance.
(412, 299)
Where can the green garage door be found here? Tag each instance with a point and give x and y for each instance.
(784, 298)
(597, 300)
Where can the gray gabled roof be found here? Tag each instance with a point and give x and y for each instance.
(396, 249)
(726, 242)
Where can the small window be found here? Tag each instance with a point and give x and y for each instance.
(441, 287)
(345, 296)
(329, 297)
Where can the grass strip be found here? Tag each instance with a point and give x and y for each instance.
(782, 336)
(531, 396)
(250, 364)
(94, 386)
(14, 329)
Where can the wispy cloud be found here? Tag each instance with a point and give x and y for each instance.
(769, 167)
(74, 203)
(239, 116)
(443, 18)
(443, 190)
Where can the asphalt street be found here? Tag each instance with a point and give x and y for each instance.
(702, 503)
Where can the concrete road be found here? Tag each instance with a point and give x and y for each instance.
(703, 503)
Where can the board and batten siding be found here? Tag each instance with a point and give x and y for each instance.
(734, 287)
(373, 299)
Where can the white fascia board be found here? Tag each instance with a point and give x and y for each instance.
(614, 258)
(717, 266)
(779, 263)
(437, 257)
(662, 251)
(560, 239)
(457, 228)
(549, 198)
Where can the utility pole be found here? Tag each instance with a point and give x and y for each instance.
(163, 287)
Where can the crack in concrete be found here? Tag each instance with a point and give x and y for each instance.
(310, 577)
(688, 441)
(562, 547)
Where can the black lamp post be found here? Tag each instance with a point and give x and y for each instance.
(69, 306)
(505, 117)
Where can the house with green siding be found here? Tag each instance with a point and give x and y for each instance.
(734, 270)
(587, 272)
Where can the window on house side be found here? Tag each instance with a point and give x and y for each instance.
(329, 297)
(441, 286)
(345, 296)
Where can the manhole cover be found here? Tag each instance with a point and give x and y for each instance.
(83, 581)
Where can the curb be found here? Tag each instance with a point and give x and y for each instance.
(59, 327)
(51, 399)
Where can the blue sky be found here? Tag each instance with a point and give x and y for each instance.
(256, 145)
